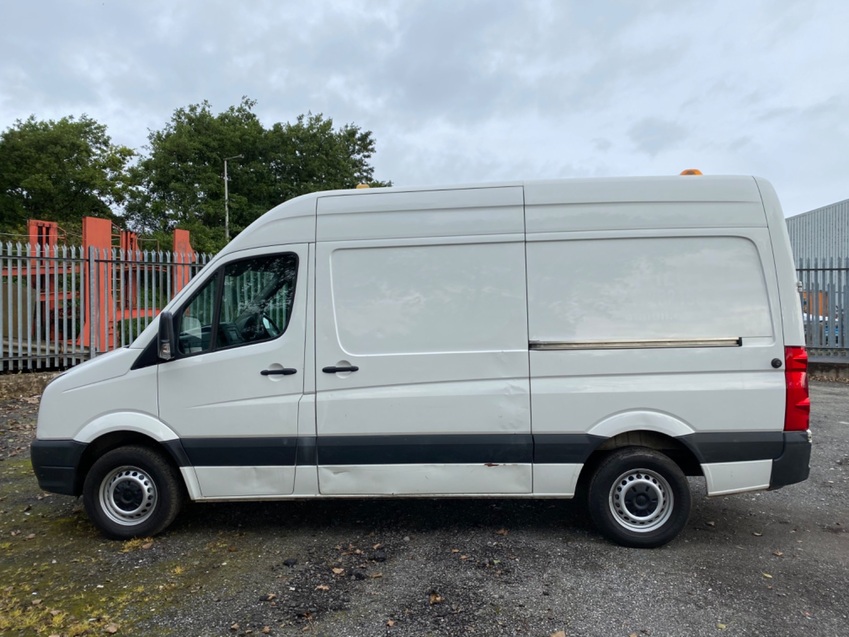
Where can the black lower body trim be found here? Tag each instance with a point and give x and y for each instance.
(453, 448)
(392, 449)
(564, 448)
(237, 452)
(424, 449)
(385, 449)
(50, 458)
(794, 465)
(55, 464)
(735, 446)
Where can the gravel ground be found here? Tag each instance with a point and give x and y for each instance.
(17, 425)
(774, 563)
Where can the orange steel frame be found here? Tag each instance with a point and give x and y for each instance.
(98, 241)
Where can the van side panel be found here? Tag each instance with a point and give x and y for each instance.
(436, 327)
(439, 336)
(659, 315)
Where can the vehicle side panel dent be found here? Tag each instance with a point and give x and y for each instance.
(247, 481)
(424, 479)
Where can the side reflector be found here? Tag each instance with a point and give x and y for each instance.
(797, 411)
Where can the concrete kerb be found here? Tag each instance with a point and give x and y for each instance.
(829, 369)
(27, 384)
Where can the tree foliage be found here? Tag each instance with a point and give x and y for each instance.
(67, 169)
(60, 171)
(180, 183)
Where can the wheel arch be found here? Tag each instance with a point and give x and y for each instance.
(126, 421)
(672, 447)
(120, 430)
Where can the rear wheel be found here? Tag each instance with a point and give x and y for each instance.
(639, 498)
(132, 492)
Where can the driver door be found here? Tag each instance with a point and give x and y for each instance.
(232, 392)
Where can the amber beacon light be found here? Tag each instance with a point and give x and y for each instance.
(691, 171)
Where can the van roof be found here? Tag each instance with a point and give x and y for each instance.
(294, 221)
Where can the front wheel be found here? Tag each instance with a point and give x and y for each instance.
(639, 498)
(132, 492)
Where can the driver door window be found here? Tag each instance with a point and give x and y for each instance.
(247, 301)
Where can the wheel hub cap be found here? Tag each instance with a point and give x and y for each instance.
(128, 496)
(641, 500)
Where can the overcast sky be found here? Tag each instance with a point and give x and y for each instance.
(467, 91)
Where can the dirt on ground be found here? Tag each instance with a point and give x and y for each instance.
(17, 425)
(772, 563)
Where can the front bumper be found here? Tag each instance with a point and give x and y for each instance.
(56, 464)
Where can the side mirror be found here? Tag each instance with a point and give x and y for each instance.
(167, 339)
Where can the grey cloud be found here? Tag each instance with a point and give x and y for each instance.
(739, 144)
(465, 90)
(777, 113)
(653, 135)
(602, 145)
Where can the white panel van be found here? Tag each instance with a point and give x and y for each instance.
(530, 340)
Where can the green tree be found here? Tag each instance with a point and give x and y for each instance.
(310, 155)
(60, 171)
(180, 183)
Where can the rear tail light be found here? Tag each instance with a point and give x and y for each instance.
(797, 412)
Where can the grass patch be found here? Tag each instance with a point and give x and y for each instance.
(59, 577)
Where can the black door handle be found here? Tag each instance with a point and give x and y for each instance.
(286, 371)
(333, 369)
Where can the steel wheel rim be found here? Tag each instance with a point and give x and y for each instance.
(641, 500)
(128, 495)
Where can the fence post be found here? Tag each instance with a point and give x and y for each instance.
(93, 301)
(5, 281)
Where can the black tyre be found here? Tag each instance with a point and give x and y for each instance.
(132, 492)
(639, 498)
